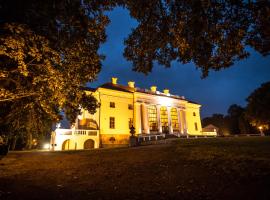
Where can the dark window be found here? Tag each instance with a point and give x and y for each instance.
(196, 126)
(130, 106)
(112, 122)
(112, 104)
(194, 114)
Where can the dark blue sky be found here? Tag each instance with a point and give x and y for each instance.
(216, 92)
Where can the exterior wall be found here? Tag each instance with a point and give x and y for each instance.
(119, 136)
(191, 119)
(68, 139)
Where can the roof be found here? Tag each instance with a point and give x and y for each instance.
(162, 94)
(89, 89)
(117, 87)
(210, 127)
(192, 102)
(128, 89)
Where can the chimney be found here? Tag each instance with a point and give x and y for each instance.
(114, 80)
(131, 84)
(166, 91)
(153, 88)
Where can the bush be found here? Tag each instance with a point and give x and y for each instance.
(3, 149)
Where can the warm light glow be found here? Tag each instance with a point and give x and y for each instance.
(260, 127)
(165, 101)
(34, 142)
(46, 146)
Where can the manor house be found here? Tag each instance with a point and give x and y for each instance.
(153, 114)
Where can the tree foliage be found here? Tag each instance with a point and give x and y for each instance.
(238, 122)
(258, 107)
(48, 50)
(211, 34)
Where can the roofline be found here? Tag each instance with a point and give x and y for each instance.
(138, 90)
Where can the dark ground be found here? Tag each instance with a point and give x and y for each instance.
(214, 168)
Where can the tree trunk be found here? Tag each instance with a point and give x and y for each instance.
(13, 143)
(29, 140)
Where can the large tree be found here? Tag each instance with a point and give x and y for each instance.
(49, 49)
(258, 107)
(237, 121)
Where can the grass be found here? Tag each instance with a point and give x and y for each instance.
(214, 168)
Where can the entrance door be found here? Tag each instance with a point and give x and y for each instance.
(164, 119)
(66, 145)
(89, 144)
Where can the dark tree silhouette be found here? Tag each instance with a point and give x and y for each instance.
(258, 107)
(211, 34)
(237, 121)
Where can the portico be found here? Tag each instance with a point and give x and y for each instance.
(157, 118)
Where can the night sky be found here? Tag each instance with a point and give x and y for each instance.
(215, 93)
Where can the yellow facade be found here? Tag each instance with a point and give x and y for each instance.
(119, 135)
(150, 112)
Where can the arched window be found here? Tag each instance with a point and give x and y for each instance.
(174, 120)
(164, 119)
(89, 144)
(152, 118)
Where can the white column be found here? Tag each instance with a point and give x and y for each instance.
(158, 119)
(137, 118)
(169, 120)
(179, 121)
(185, 122)
(145, 124)
(183, 126)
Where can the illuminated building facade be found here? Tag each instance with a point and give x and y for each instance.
(153, 114)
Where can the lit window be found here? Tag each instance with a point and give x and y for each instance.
(152, 118)
(112, 122)
(112, 104)
(194, 114)
(130, 106)
(174, 119)
(164, 119)
(196, 126)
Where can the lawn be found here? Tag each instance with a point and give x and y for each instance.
(213, 168)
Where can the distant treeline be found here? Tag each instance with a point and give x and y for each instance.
(252, 119)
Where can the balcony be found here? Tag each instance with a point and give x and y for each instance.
(76, 132)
